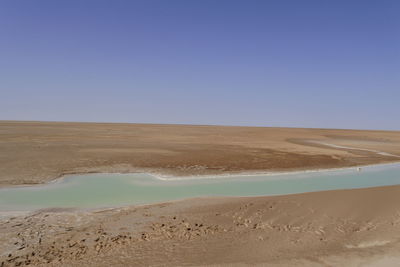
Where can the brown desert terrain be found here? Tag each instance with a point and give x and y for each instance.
(333, 228)
(37, 152)
(359, 227)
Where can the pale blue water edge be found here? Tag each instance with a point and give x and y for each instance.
(110, 190)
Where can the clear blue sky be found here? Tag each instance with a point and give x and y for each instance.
(331, 64)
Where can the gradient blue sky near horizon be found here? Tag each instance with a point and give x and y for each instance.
(310, 63)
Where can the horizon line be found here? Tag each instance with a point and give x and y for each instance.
(191, 124)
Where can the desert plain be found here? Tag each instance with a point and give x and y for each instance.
(357, 227)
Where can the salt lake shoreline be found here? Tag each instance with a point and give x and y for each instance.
(165, 177)
(7, 214)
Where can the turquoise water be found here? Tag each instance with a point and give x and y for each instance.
(110, 190)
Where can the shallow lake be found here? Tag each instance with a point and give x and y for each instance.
(110, 190)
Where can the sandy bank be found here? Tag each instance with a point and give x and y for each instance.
(314, 229)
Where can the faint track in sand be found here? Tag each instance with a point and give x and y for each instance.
(353, 148)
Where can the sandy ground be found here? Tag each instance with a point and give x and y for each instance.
(36, 152)
(333, 228)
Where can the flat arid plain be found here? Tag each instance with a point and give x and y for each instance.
(357, 227)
